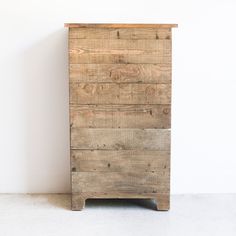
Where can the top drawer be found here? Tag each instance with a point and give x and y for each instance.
(122, 46)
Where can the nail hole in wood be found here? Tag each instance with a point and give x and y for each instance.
(166, 111)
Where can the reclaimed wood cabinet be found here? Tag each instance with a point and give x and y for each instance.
(120, 111)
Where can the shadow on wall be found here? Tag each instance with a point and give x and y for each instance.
(46, 114)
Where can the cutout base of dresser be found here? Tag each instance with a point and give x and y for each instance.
(78, 200)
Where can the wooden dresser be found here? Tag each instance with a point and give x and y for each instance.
(120, 111)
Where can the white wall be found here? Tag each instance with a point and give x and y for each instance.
(34, 147)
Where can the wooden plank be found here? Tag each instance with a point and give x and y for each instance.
(110, 93)
(120, 161)
(118, 195)
(108, 182)
(92, 25)
(119, 33)
(131, 57)
(118, 139)
(120, 73)
(119, 46)
(120, 51)
(120, 116)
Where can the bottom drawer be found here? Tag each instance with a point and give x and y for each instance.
(126, 171)
(120, 174)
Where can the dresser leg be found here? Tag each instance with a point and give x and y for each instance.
(77, 202)
(163, 202)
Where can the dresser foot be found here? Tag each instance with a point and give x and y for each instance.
(77, 202)
(163, 202)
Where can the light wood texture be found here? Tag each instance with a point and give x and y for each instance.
(139, 139)
(84, 25)
(110, 93)
(120, 116)
(122, 182)
(120, 111)
(163, 201)
(120, 46)
(98, 51)
(120, 73)
(120, 161)
(120, 33)
(77, 202)
(122, 56)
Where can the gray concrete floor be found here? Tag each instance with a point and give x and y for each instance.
(50, 214)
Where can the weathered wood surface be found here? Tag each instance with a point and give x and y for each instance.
(119, 33)
(117, 195)
(120, 46)
(120, 73)
(111, 93)
(120, 161)
(163, 201)
(119, 51)
(129, 57)
(108, 182)
(100, 25)
(139, 139)
(120, 116)
(77, 201)
(120, 111)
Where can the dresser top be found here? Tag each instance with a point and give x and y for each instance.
(83, 25)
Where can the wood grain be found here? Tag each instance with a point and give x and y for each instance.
(118, 139)
(120, 111)
(120, 116)
(120, 161)
(121, 51)
(117, 195)
(108, 93)
(108, 182)
(115, 46)
(148, 57)
(120, 33)
(117, 25)
(120, 73)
